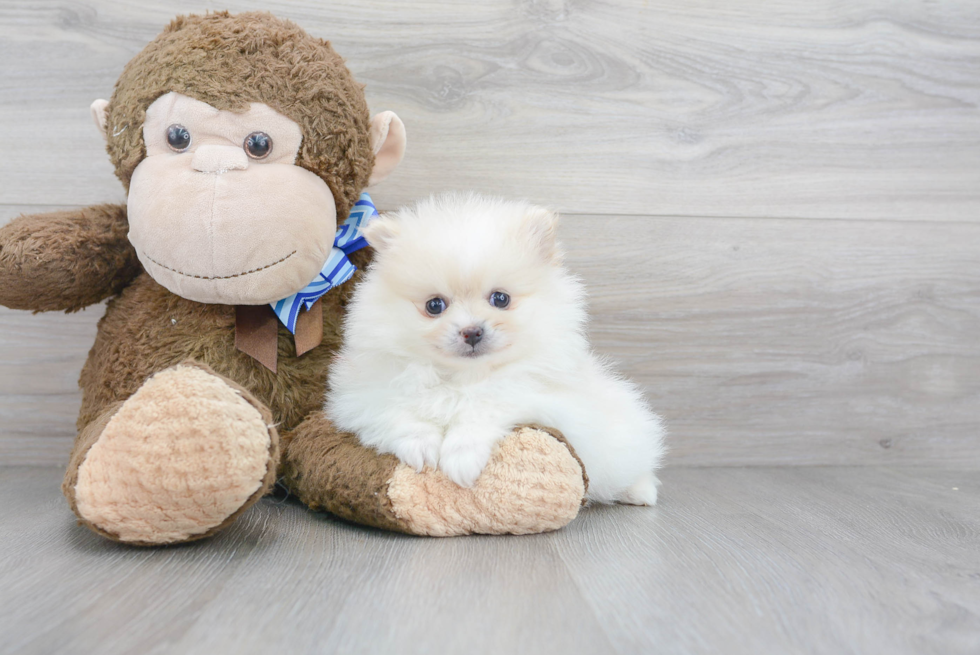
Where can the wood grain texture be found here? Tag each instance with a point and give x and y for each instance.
(806, 560)
(793, 341)
(707, 108)
(760, 341)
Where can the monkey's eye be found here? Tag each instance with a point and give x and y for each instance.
(435, 306)
(499, 299)
(258, 145)
(178, 138)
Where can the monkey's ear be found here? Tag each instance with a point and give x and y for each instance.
(381, 233)
(388, 142)
(99, 114)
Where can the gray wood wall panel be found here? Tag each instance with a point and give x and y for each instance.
(763, 336)
(792, 341)
(761, 341)
(709, 108)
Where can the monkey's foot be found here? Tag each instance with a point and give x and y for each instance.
(533, 483)
(177, 461)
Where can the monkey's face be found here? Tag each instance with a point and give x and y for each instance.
(218, 210)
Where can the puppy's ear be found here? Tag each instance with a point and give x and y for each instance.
(541, 227)
(381, 233)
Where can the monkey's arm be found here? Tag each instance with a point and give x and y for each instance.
(65, 260)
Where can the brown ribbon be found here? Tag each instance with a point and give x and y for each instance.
(257, 332)
(309, 329)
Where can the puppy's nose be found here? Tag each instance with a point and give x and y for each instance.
(219, 159)
(472, 335)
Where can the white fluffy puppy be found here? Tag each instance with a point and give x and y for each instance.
(466, 325)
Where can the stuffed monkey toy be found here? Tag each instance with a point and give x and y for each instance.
(244, 143)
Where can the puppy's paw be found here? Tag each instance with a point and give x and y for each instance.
(466, 451)
(464, 465)
(420, 449)
(642, 492)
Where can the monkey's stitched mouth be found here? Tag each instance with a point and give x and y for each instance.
(220, 277)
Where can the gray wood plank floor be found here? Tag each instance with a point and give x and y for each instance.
(733, 560)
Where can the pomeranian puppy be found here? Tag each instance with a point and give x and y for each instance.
(466, 325)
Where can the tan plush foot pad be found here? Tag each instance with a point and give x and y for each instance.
(183, 456)
(533, 483)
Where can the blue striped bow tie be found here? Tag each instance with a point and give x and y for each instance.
(338, 268)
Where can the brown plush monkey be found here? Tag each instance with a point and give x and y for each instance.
(241, 141)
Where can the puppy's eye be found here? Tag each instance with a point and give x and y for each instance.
(258, 145)
(499, 299)
(178, 138)
(435, 306)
